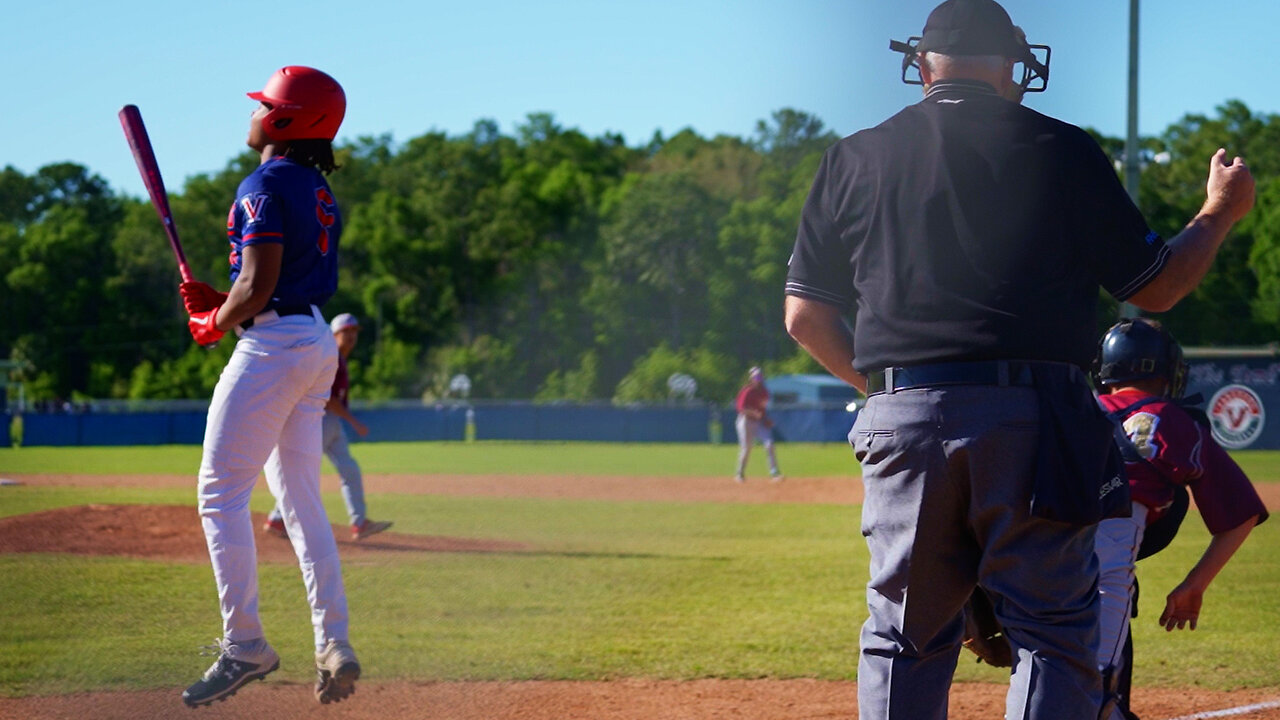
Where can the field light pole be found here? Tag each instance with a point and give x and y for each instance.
(1132, 155)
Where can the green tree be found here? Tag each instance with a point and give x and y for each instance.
(1220, 310)
(650, 285)
(647, 381)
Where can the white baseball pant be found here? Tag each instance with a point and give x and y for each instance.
(749, 431)
(1116, 546)
(265, 414)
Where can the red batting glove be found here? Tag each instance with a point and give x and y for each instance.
(204, 327)
(199, 297)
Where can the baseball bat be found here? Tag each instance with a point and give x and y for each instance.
(136, 133)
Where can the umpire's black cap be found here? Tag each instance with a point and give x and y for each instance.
(971, 27)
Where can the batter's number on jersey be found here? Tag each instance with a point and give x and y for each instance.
(327, 214)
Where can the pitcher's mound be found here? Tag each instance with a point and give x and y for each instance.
(173, 532)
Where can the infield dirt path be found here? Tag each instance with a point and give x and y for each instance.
(617, 700)
(173, 533)
(837, 491)
(842, 491)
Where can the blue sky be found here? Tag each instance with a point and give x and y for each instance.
(628, 67)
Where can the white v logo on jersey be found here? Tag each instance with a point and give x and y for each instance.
(252, 206)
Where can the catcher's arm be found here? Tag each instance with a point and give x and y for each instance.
(1182, 606)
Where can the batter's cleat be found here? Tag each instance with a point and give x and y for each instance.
(237, 664)
(368, 527)
(777, 477)
(337, 671)
(276, 527)
(739, 479)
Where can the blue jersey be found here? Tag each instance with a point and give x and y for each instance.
(291, 204)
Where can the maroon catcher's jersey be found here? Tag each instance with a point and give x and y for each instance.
(1180, 451)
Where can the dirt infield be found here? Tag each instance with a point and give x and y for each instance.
(618, 700)
(832, 491)
(173, 533)
(840, 491)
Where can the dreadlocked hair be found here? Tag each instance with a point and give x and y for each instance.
(317, 153)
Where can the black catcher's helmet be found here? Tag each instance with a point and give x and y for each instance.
(1138, 349)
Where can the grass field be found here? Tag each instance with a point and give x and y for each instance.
(546, 458)
(608, 590)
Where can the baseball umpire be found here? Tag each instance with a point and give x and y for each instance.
(969, 236)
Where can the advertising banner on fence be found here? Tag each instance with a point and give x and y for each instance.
(1239, 392)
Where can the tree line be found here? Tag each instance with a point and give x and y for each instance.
(544, 264)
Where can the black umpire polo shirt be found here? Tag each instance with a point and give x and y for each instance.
(968, 227)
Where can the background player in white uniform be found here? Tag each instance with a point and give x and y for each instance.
(266, 409)
(345, 329)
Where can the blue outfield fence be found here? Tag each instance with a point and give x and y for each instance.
(799, 423)
(602, 423)
(1239, 386)
(412, 421)
(408, 424)
(140, 428)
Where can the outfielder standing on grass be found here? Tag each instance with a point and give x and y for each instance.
(345, 329)
(753, 424)
(1168, 448)
(267, 406)
(969, 235)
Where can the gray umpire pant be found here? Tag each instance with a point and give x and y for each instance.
(948, 474)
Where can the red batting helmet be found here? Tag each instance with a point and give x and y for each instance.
(305, 104)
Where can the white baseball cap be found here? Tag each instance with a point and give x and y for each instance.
(343, 321)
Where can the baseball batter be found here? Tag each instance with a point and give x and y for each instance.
(346, 330)
(1140, 366)
(753, 424)
(266, 409)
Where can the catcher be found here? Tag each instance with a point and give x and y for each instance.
(1167, 448)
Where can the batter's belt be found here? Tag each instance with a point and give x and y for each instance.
(282, 311)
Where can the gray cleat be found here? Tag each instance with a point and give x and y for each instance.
(337, 671)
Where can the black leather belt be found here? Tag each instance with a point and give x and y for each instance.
(282, 311)
(986, 372)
